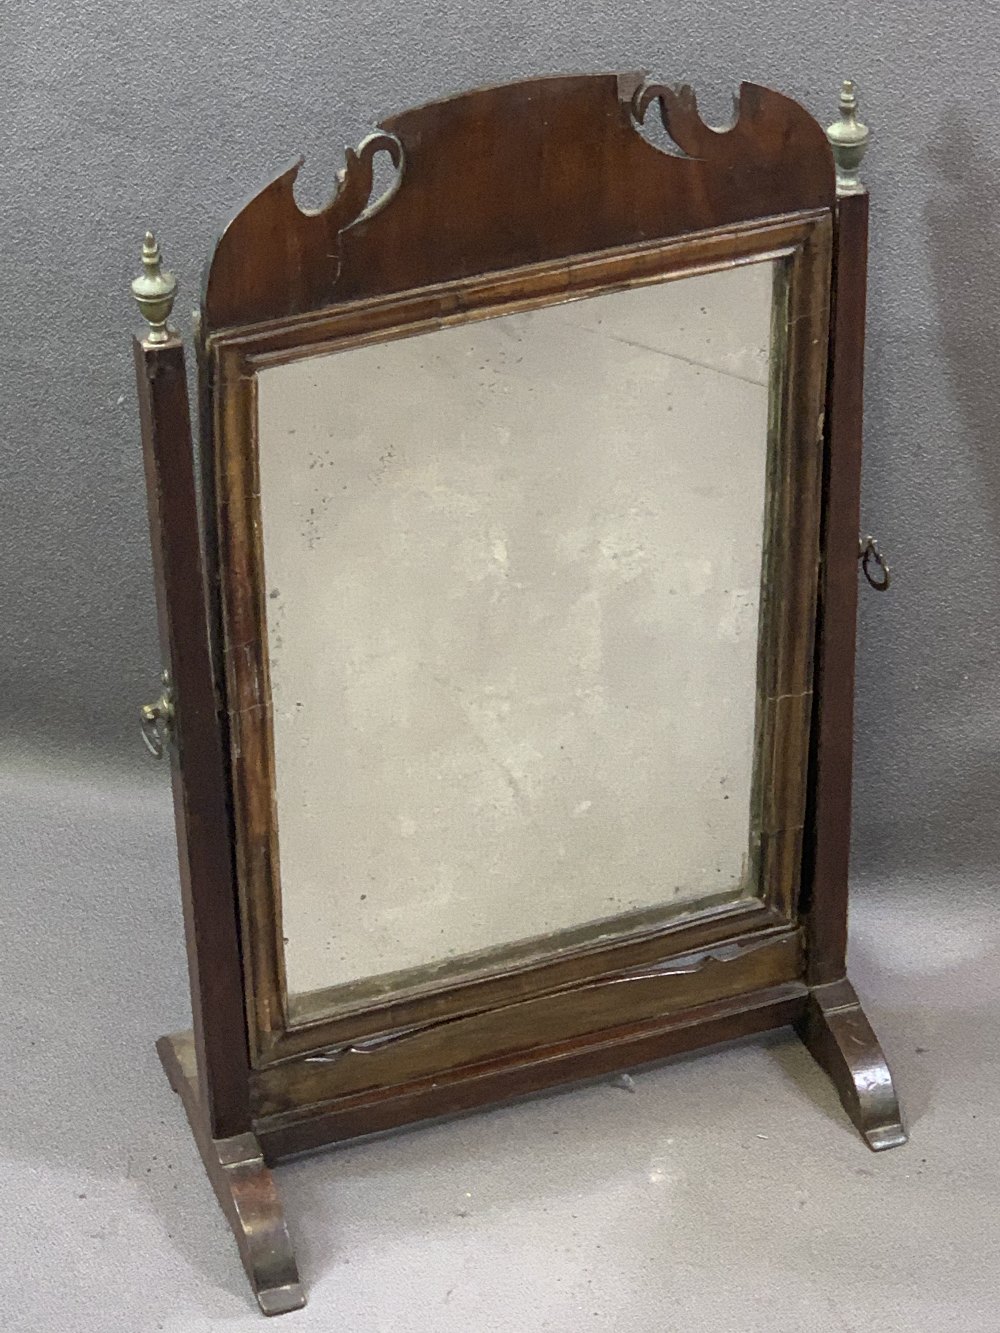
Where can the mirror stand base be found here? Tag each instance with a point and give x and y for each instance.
(840, 1038)
(244, 1187)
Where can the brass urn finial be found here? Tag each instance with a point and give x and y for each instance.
(154, 290)
(849, 140)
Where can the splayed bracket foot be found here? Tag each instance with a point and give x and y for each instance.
(840, 1038)
(244, 1187)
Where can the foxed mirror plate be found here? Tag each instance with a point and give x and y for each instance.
(513, 573)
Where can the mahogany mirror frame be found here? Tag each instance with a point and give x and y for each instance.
(504, 199)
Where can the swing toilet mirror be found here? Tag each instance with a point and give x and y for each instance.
(511, 648)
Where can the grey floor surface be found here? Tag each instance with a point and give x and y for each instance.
(726, 1192)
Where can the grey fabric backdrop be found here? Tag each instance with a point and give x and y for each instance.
(113, 119)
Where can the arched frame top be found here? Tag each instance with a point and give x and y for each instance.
(513, 175)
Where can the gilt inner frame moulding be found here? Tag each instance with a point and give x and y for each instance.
(506, 201)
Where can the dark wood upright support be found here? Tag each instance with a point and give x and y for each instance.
(208, 1067)
(197, 756)
(834, 1026)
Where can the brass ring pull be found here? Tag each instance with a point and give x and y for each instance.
(156, 721)
(872, 558)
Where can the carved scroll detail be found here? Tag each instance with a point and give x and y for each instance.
(681, 119)
(274, 236)
(356, 179)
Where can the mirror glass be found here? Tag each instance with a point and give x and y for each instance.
(513, 573)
